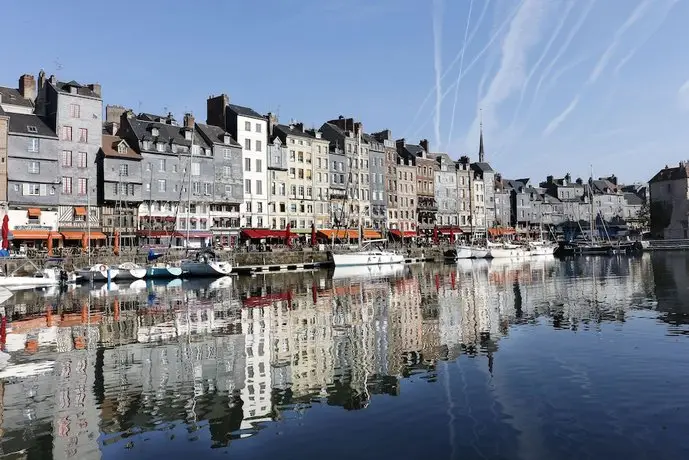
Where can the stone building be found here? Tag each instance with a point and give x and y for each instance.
(426, 207)
(391, 190)
(669, 205)
(278, 201)
(464, 195)
(250, 129)
(178, 172)
(321, 178)
(119, 189)
(503, 210)
(347, 134)
(74, 112)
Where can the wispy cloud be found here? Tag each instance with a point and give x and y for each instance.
(604, 60)
(459, 74)
(646, 36)
(437, 64)
(683, 96)
(555, 122)
(524, 32)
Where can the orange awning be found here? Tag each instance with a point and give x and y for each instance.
(30, 234)
(501, 231)
(79, 235)
(34, 212)
(79, 211)
(348, 234)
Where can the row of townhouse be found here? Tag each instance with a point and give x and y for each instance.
(65, 168)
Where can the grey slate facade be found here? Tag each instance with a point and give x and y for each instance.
(32, 153)
(339, 171)
(446, 191)
(74, 112)
(378, 167)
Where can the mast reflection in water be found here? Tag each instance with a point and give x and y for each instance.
(533, 359)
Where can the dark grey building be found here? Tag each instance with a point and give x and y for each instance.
(228, 183)
(378, 174)
(339, 171)
(119, 188)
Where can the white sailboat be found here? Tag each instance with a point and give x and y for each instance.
(42, 278)
(205, 264)
(507, 251)
(98, 272)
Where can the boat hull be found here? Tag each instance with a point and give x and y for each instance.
(479, 253)
(98, 275)
(508, 253)
(163, 272)
(543, 250)
(366, 258)
(206, 268)
(131, 274)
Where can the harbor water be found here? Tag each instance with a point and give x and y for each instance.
(533, 359)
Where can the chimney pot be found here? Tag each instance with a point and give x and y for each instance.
(96, 88)
(27, 87)
(188, 120)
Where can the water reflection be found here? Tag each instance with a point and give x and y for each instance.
(200, 364)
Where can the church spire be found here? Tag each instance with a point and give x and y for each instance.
(481, 153)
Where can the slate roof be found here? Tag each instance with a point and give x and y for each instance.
(216, 134)
(20, 122)
(678, 173)
(605, 186)
(167, 134)
(483, 167)
(282, 131)
(244, 111)
(110, 145)
(633, 199)
(12, 96)
(81, 89)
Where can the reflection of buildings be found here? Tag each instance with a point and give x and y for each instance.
(405, 323)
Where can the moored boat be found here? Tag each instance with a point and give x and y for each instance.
(163, 270)
(205, 264)
(42, 277)
(541, 248)
(507, 251)
(371, 257)
(98, 272)
(130, 271)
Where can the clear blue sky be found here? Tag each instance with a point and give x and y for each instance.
(562, 84)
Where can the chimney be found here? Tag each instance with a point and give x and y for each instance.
(41, 79)
(424, 144)
(549, 179)
(272, 121)
(358, 129)
(215, 111)
(613, 179)
(580, 181)
(95, 87)
(52, 80)
(113, 113)
(27, 87)
(188, 120)
(498, 177)
(299, 127)
(568, 178)
(400, 143)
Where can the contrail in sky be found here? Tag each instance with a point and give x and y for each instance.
(437, 64)
(459, 76)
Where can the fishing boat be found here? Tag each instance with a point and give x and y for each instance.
(130, 271)
(507, 251)
(98, 272)
(205, 264)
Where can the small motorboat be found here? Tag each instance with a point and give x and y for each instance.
(205, 264)
(43, 277)
(130, 271)
(98, 272)
(163, 270)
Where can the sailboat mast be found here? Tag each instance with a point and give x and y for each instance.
(358, 179)
(592, 220)
(191, 163)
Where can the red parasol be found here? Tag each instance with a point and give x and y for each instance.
(6, 232)
(313, 234)
(452, 237)
(288, 236)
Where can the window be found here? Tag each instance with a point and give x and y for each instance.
(301, 190)
(162, 185)
(161, 165)
(259, 146)
(227, 170)
(206, 188)
(174, 169)
(259, 187)
(309, 191)
(293, 190)
(66, 133)
(196, 169)
(74, 110)
(300, 156)
(122, 147)
(32, 189)
(247, 126)
(291, 172)
(67, 185)
(247, 185)
(292, 155)
(259, 166)
(83, 184)
(160, 146)
(258, 127)
(196, 188)
(31, 129)
(33, 145)
(82, 160)
(227, 154)
(247, 164)
(83, 135)
(124, 170)
(34, 167)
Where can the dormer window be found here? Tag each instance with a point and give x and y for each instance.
(122, 148)
(155, 132)
(226, 139)
(160, 146)
(32, 129)
(147, 145)
(187, 134)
